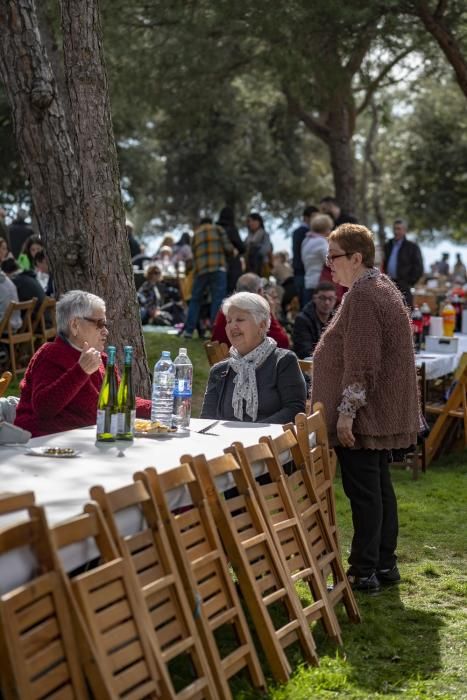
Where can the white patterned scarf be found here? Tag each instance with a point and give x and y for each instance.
(245, 388)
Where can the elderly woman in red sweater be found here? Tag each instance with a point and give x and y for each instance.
(63, 380)
(364, 374)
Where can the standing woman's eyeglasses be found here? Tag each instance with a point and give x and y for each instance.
(330, 258)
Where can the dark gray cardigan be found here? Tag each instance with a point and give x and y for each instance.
(281, 390)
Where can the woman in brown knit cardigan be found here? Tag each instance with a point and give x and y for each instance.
(364, 374)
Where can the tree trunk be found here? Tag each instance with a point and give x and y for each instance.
(43, 142)
(339, 140)
(76, 196)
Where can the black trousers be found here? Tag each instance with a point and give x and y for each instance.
(367, 484)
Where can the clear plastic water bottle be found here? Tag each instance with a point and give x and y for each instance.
(163, 390)
(182, 391)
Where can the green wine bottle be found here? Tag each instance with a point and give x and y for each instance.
(107, 403)
(126, 399)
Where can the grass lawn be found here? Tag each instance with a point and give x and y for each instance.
(413, 639)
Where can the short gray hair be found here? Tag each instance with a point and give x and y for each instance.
(76, 304)
(249, 282)
(250, 303)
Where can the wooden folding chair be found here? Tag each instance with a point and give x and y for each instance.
(23, 336)
(286, 531)
(306, 366)
(39, 656)
(5, 380)
(321, 542)
(215, 351)
(262, 578)
(44, 327)
(157, 576)
(14, 502)
(313, 441)
(206, 577)
(449, 414)
(118, 648)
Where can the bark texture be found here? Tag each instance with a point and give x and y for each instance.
(103, 211)
(72, 168)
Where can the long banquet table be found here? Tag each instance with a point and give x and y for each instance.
(62, 484)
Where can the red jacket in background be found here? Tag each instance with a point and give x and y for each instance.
(275, 331)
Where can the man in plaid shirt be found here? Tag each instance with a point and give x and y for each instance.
(210, 247)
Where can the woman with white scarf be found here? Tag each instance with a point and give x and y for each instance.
(259, 382)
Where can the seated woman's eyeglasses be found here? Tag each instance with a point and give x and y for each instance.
(330, 258)
(99, 322)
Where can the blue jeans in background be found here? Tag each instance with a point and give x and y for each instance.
(217, 284)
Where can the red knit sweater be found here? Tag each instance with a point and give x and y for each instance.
(275, 331)
(57, 395)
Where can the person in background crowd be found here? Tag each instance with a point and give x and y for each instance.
(312, 319)
(25, 282)
(4, 250)
(403, 261)
(19, 231)
(135, 245)
(459, 271)
(41, 268)
(249, 282)
(61, 385)
(8, 293)
(330, 206)
(182, 252)
(4, 233)
(297, 239)
(258, 255)
(364, 374)
(442, 266)
(31, 247)
(282, 271)
(211, 249)
(151, 298)
(259, 382)
(314, 249)
(234, 263)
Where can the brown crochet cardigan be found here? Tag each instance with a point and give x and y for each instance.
(369, 342)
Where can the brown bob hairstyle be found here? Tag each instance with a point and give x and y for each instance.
(353, 238)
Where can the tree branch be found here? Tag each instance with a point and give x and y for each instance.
(360, 51)
(374, 84)
(440, 9)
(446, 40)
(313, 124)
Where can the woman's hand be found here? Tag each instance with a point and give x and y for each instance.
(344, 430)
(90, 359)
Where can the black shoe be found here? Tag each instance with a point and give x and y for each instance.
(387, 577)
(366, 584)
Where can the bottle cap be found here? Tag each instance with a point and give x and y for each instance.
(165, 353)
(182, 351)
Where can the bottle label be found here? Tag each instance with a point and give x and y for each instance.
(123, 424)
(182, 387)
(113, 423)
(100, 422)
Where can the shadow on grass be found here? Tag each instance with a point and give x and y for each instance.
(395, 643)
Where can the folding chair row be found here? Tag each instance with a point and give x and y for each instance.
(120, 655)
(20, 340)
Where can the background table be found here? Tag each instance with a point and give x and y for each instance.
(439, 364)
(62, 484)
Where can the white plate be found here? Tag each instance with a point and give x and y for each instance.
(44, 452)
(156, 436)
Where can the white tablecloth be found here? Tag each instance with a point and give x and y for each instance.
(439, 364)
(62, 484)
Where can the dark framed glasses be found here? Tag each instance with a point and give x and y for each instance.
(330, 258)
(100, 323)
